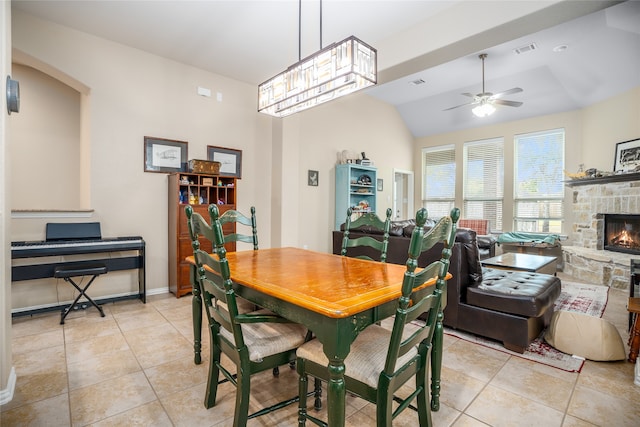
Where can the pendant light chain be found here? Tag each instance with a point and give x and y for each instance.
(320, 24)
(299, 30)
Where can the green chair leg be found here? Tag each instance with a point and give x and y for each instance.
(302, 393)
(196, 312)
(214, 372)
(436, 362)
(242, 399)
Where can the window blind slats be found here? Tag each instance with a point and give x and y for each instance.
(483, 189)
(539, 186)
(439, 165)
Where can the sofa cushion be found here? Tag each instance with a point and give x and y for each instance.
(515, 292)
(397, 227)
(586, 336)
(468, 239)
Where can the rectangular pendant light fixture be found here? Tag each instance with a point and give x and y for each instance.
(337, 70)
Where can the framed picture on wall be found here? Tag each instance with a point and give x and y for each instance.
(627, 156)
(164, 155)
(230, 160)
(312, 178)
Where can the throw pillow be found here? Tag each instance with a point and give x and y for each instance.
(586, 336)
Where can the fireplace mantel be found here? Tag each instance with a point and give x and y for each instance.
(635, 176)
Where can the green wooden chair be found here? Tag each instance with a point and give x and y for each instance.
(250, 225)
(382, 360)
(255, 341)
(371, 221)
(234, 216)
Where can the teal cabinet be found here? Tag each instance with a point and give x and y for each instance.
(355, 188)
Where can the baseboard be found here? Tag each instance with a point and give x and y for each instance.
(158, 291)
(6, 395)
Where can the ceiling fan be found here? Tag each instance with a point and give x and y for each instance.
(485, 101)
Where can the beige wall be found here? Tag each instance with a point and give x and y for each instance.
(358, 123)
(134, 94)
(590, 138)
(606, 123)
(46, 139)
(131, 94)
(7, 373)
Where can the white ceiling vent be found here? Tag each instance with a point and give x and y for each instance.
(524, 49)
(417, 82)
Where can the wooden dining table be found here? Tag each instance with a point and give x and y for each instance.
(334, 296)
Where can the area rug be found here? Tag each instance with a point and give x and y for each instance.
(588, 299)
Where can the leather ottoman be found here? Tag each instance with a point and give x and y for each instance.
(525, 295)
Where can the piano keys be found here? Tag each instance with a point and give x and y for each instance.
(77, 239)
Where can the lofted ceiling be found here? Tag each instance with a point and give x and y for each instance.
(251, 41)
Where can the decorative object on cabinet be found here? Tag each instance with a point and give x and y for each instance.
(229, 158)
(198, 190)
(356, 189)
(312, 179)
(627, 156)
(204, 166)
(164, 155)
(364, 161)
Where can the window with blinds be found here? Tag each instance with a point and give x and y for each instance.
(483, 189)
(539, 187)
(439, 166)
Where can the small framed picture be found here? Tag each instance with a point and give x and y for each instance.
(229, 158)
(379, 184)
(164, 155)
(627, 156)
(313, 178)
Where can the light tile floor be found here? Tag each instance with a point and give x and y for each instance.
(135, 367)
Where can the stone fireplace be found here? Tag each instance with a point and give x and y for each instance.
(617, 198)
(622, 233)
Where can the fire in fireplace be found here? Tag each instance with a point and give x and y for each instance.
(622, 233)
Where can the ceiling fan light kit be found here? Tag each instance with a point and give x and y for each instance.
(484, 109)
(485, 102)
(337, 70)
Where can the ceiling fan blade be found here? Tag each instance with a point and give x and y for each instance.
(507, 103)
(461, 105)
(470, 95)
(506, 92)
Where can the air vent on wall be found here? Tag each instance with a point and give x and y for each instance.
(525, 49)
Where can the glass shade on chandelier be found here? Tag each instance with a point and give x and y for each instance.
(484, 109)
(337, 70)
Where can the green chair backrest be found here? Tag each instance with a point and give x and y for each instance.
(221, 305)
(216, 288)
(410, 307)
(368, 220)
(234, 216)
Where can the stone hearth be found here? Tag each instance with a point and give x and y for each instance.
(607, 268)
(586, 259)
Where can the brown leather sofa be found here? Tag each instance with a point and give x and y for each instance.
(507, 306)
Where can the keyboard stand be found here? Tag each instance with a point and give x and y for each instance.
(68, 272)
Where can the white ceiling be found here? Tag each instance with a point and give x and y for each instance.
(253, 40)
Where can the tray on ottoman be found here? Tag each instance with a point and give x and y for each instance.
(522, 262)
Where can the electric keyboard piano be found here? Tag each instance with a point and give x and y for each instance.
(77, 239)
